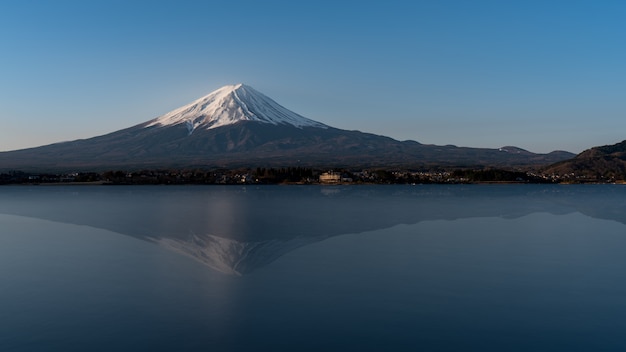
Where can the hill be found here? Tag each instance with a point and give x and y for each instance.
(603, 163)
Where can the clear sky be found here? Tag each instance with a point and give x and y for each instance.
(541, 75)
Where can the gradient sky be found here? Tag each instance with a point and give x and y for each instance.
(541, 75)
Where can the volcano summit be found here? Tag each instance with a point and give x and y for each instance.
(229, 105)
(237, 126)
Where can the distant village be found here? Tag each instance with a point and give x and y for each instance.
(293, 175)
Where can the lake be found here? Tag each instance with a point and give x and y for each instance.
(313, 268)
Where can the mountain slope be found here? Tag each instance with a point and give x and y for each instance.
(604, 162)
(238, 126)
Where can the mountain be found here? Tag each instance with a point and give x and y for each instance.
(599, 163)
(237, 126)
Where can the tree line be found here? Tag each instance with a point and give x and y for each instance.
(286, 175)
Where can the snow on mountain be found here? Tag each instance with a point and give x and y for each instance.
(231, 104)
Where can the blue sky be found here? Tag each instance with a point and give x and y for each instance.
(541, 75)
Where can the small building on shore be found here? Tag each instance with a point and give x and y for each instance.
(330, 177)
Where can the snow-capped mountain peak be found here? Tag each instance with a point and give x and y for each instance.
(231, 104)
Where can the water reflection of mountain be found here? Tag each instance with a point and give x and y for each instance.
(237, 229)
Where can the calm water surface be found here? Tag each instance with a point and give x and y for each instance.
(415, 268)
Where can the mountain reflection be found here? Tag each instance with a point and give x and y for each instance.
(237, 229)
(231, 256)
